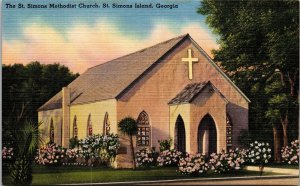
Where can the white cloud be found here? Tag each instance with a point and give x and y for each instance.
(83, 46)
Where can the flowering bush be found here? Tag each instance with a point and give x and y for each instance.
(50, 154)
(93, 149)
(224, 162)
(259, 153)
(169, 158)
(146, 158)
(7, 153)
(193, 165)
(71, 155)
(99, 146)
(290, 154)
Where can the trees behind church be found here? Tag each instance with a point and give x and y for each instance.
(259, 43)
(26, 88)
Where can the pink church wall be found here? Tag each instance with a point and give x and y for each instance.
(153, 92)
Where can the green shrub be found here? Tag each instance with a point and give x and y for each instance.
(73, 142)
(164, 145)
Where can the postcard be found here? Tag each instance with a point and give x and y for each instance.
(150, 92)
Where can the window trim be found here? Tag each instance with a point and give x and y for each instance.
(89, 126)
(75, 127)
(51, 131)
(142, 127)
(106, 124)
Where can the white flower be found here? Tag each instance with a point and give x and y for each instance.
(265, 156)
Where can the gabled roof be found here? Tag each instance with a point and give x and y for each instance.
(191, 91)
(111, 79)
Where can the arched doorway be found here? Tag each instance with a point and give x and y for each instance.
(207, 136)
(180, 135)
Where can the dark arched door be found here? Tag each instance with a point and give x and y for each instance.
(180, 134)
(207, 136)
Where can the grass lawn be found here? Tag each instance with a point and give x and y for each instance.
(63, 175)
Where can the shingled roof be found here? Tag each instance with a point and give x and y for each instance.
(191, 91)
(109, 80)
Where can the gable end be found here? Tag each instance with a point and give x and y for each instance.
(219, 69)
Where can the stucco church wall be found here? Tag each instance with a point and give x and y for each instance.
(45, 118)
(153, 92)
(208, 103)
(97, 111)
(239, 117)
(184, 111)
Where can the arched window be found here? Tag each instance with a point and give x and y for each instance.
(89, 126)
(106, 125)
(228, 131)
(144, 132)
(51, 132)
(75, 129)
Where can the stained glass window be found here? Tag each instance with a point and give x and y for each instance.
(51, 131)
(228, 131)
(90, 127)
(144, 132)
(106, 125)
(75, 129)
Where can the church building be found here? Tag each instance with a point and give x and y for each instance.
(173, 89)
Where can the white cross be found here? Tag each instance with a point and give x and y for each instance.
(190, 60)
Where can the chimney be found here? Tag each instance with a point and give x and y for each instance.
(65, 116)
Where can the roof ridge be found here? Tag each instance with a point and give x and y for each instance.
(183, 35)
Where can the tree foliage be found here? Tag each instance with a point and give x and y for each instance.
(259, 50)
(25, 89)
(27, 138)
(129, 127)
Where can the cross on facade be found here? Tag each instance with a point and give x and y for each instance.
(190, 60)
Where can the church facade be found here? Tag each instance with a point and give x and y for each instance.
(173, 89)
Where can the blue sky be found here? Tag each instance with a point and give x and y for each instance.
(41, 29)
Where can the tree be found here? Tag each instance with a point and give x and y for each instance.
(259, 43)
(28, 138)
(129, 127)
(26, 88)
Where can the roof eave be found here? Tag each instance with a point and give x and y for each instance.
(214, 88)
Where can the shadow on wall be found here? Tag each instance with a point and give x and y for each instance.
(239, 117)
